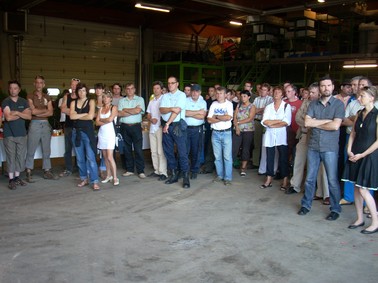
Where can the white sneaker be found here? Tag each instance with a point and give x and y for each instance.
(127, 174)
(142, 175)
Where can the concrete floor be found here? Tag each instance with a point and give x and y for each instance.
(146, 231)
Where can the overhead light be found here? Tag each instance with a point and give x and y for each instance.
(321, 1)
(360, 64)
(153, 7)
(235, 23)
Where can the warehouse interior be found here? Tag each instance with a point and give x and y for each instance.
(145, 230)
(304, 38)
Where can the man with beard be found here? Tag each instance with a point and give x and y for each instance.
(324, 117)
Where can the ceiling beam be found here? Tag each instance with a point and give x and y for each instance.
(230, 6)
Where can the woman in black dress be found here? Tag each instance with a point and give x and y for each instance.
(362, 166)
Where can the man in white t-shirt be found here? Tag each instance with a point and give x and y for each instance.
(220, 116)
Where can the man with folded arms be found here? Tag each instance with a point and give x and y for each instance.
(130, 110)
(324, 117)
(220, 116)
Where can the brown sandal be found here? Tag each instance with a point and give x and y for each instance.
(83, 183)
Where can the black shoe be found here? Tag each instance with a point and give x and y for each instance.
(205, 172)
(290, 191)
(366, 232)
(12, 185)
(303, 211)
(153, 174)
(356, 226)
(193, 176)
(162, 177)
(332, 216)
(173, 178)
(186, 183)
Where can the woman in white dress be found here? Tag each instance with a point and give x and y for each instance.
(106, 136)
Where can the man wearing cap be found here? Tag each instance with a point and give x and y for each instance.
(194, 116)
(172, 109)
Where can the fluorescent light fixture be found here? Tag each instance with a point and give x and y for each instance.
(360, 64)
(235, 23)
(153, 7)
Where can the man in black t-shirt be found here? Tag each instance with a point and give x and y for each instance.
(16, 111)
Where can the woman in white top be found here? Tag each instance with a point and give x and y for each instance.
(277, 116)
(106, 136)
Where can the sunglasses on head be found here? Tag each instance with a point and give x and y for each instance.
(76, 80)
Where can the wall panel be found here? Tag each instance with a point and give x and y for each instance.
(61, 49)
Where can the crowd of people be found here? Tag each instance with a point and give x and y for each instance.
(331, 134)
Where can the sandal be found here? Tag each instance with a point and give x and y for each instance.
(317, 198)
(96, 187)
(263, 186)
(83, 183)
(283, 188)
(326, 201)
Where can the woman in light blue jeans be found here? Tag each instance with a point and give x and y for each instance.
(82, 111)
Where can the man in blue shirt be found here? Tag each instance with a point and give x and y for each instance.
(130, 110)
(324, 117)
(195, 117)
(172, 109)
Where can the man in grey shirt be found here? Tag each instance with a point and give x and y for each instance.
(324, 117)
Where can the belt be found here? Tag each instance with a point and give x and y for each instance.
(194, 127)
(130, 125)
(258, 120)
(226, 130)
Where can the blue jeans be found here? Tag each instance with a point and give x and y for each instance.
(222, 146)
(194, 146)
(169, 141)
(330, 160)
(86, 158)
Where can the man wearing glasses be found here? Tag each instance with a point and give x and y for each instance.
(172, 109)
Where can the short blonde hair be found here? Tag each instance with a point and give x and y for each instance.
(107, 94)
(371, 90)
